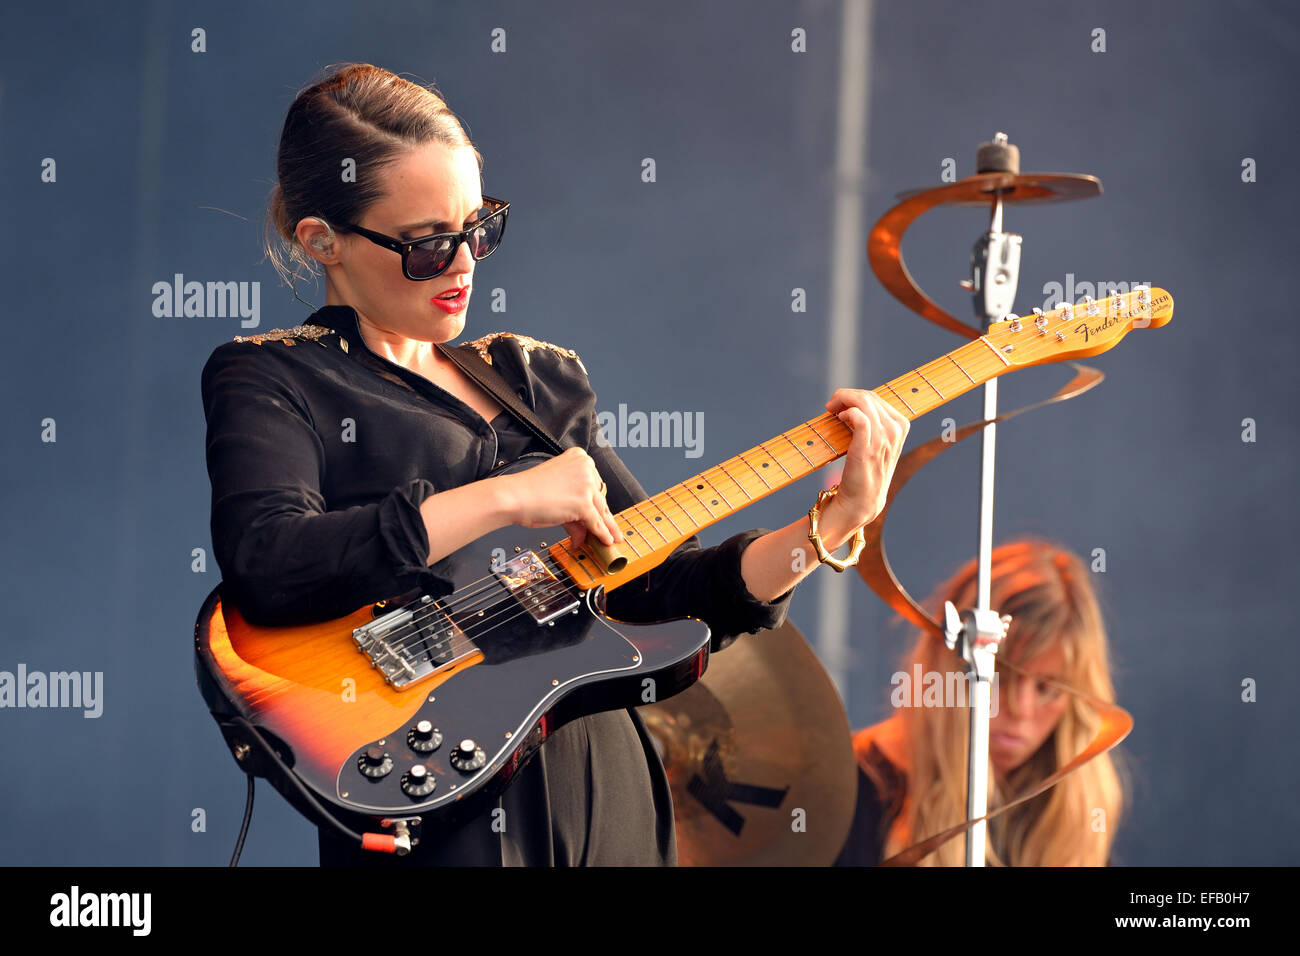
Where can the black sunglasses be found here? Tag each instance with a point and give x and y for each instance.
(429, 256)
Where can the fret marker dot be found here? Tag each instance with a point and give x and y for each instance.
(913, 391)
(715, 501)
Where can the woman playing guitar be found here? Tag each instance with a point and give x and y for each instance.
(348, 455)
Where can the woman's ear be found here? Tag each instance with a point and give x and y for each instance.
(316, 234)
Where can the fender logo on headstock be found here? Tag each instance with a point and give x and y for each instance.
(1082, 328)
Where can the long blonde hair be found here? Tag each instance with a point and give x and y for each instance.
(1047, 592)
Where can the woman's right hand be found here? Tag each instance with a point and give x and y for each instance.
(564, 490)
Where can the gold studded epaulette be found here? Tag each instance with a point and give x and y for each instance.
(526, 342)
(305, 333)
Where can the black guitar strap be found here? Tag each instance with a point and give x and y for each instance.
(473, 365)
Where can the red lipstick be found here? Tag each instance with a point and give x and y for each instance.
(452, 304)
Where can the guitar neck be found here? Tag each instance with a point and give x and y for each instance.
(654, 528)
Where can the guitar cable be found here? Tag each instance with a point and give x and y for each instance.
(243, 829)
(380, 842)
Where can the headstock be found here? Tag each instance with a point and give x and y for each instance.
(1074, 331)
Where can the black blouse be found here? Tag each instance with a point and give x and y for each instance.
(874, 813)
(320, 453)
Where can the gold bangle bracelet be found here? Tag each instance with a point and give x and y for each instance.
(824, 556)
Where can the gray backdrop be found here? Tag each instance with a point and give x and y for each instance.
(677, 295)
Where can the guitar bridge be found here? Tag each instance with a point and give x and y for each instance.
(411, 643)
(532, 584)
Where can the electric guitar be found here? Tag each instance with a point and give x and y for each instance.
(423, 712)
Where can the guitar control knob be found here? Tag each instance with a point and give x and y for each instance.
(424, 738)
(468, 756)
(418, 782)
(375, 763)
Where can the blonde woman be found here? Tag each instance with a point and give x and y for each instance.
(912, 767)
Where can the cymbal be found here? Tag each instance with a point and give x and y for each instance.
(884, 245)
(978, 190)
(759, 756)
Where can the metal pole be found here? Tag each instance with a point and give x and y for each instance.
(847, 241)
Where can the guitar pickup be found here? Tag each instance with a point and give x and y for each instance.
(533, 585)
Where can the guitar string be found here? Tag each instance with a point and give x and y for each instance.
(627, 520)
(482, 626)
(557, 584)
(461, 604)
(477, 629)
